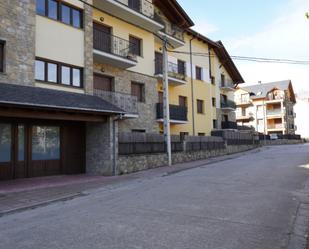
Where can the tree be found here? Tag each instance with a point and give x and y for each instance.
(307, 15)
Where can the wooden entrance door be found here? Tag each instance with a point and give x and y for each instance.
(12, 151)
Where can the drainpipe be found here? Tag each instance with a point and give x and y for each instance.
(192, 88)
(210, 71)
(116, 119)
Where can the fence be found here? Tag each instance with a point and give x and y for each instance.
(142, 143)
(236, 137)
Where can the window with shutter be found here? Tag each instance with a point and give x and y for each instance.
(1, 57)
(103, 83)
(135, 46)
(200, 106)
(198, 72)
(137, 89)
(183, 101)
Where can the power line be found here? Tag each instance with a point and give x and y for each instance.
(248, 58)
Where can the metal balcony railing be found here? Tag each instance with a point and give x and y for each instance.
(111, 44)
(126, 102)
(179, 113)
(143, 7)
(174, 70)
(229, 125)
(228, 104)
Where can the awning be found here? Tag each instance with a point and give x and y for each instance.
(41, 99)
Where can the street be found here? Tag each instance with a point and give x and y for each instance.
(259, 200)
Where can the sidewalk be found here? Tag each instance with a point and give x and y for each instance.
(19, 195)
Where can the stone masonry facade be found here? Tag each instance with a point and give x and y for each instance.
(146, 110)
(17, 30)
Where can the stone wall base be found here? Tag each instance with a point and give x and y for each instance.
(134, 163)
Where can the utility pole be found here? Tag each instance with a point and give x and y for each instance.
(166, 106)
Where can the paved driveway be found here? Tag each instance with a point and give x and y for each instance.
(259, 201)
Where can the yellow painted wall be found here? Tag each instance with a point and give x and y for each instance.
(123, 30)
(59, 42)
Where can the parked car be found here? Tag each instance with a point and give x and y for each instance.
(274, 137)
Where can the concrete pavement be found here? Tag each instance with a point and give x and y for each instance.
(259, 201)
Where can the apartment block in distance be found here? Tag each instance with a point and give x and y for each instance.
(268, 107)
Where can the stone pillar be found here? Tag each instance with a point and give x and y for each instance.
(17, 30)
(100, 141)
(88, 54)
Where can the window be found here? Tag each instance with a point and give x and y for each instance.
(52, 72)
(57, 10)
(137, 89)
(104, 83)
(198, 73)
(183, 101)
(5, 142)
(52, 9)
(138, 131)
(213, 80)
(160, 96)
(45, 143)
(181, 67)
(222, 80)
(214, 102)
(214, 124)
(1, 57)
(58, 73)
(135, 46)
(200, 106)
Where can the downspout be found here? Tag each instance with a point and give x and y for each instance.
(192, 88)
(209, 55)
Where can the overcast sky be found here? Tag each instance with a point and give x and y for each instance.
(260, 28)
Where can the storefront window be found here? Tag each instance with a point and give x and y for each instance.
(21, 143)
(45, 143)
(5, 143)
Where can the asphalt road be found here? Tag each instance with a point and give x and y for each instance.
(257, 201)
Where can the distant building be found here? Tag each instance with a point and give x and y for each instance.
(268, 107)
(302, 106)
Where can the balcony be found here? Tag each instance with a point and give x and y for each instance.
(112, 50)
(137, 12)
(227, 86)
(229, 125)
(173, 33)
(176, 74)
(126, 102)
(244, 101)
(274, 112)
(178, 114)
(244, 116)
(228, 105)
(275, 126)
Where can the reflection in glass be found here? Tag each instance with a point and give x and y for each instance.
(65, 14)
(45, 143)
(5, 142)
(52, 72)
(76, 77)
(39, 70)
(40, 7)
(53, 9)
(21, 143)
(76, 18)
(65, 75)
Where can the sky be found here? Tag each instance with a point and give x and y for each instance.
(259, 28)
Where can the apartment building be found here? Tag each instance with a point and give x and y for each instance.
(75, 73)
(268, 107)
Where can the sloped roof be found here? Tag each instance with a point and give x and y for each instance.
(36, 97)
(174, 12)
(260, 91)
